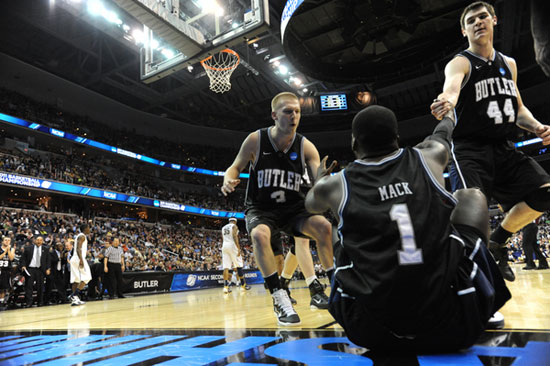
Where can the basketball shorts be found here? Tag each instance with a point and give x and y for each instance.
(499, 170)
(230, 257)
(288, 220)
(5, 279)
(477, 291)
(80, 274)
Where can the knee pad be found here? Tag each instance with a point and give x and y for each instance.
(240, 272)
(539, 199)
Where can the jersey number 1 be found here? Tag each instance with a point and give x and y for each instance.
(410, 253)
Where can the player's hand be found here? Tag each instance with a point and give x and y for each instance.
(229, 186)
(543, 131)
(81, 263)
(440, 107)
(105, 269)
(323, 170)
(48, 272)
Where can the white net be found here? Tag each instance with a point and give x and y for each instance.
(219, 68)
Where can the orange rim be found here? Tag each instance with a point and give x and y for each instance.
(227, 50)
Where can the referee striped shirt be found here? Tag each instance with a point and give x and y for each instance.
(113, 254)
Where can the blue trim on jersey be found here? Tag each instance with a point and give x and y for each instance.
(508, 67)
(474, 271)
(476, 248)
(457, 168)
(433, 179)
(342, 268)
(466, 291)
(275, 145)
(258, 150)
(303, 157)
(457, 238)
(483, 58)
(342, 205)
(383, 161)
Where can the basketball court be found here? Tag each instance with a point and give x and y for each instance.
(206, 327)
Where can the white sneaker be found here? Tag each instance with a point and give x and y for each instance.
(283, 309)
(496, 321)
(75, 301)
(226, 290)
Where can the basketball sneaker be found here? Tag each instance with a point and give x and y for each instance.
(283, 309)
(318, 298)
(246, 287)
(501, 257)
(284, 284)
(226, 289)
(75, 301)
(496, 321)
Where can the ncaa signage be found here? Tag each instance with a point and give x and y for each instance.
(207, 279)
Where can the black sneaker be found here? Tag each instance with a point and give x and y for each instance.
(501, 257)
(283, 309)
(318, 298)
(246, 287)
(529, 267)
(284, 284)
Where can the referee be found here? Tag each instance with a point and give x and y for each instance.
(114, 266)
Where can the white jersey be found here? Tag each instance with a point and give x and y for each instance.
(84, 248)
(80, 274)
(227, 235)
(230, 257)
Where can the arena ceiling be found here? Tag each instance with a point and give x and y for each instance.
(423, 35)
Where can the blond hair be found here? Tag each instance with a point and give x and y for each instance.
(277, 99)
(476, 5)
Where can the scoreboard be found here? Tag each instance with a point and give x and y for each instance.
(333, 102)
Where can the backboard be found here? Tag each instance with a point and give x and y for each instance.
(180, 33)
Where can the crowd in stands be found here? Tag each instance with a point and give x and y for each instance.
(18, 105)
(515, 248)
(146, 246)
(114, 175)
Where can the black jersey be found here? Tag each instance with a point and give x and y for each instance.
(5, 262)
(275, 176)
(488, 104)
(394, 233)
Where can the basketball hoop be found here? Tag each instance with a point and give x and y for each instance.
(219, 68)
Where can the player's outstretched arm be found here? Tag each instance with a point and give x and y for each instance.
(325, 194)
(246, 154)
(455, 71)
(315, 165)
(436, 148)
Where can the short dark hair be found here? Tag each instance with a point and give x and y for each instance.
(473, 6)
(83, 227)
(375, 128)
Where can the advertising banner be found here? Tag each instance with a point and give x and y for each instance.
(146, 281)
(206, 279)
